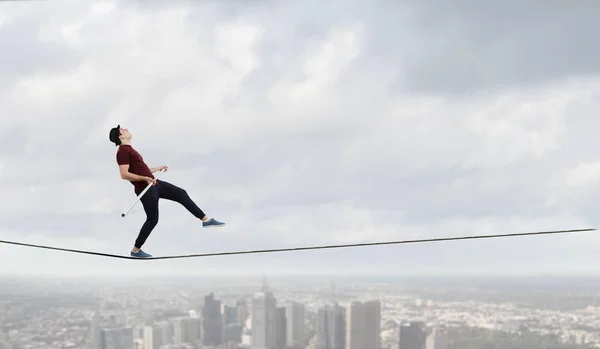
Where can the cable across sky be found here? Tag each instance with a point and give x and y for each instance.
(305, 248)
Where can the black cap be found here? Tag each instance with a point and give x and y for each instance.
(114, 134)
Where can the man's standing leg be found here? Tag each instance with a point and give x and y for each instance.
(150, 202)
(172, 192)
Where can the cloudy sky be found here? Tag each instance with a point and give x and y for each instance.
(302, 123)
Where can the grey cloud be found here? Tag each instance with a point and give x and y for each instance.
(12, 138)
(25, 53)
(456, 47)
(468, 46)
(306, 169)
(423, 198)
(270, 183)
(56, 139)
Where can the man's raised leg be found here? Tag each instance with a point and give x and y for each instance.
(150, 202)
(172, 192)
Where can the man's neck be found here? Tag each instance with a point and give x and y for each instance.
(126, 143)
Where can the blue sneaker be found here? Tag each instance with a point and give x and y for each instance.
(212, 223)
(140, 254)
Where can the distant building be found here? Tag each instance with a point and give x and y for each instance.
(295, 328)
(212, 321)
(364, 325)
(186, 330)
(242, 311)
(280, 328)
(264, 329)
(437, 339)
(116, 338)
(230, 315)
(331, 327)
(412, 335)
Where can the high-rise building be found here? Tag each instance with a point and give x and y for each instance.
(232, 333)
(148, 338)
(280, 328)
(242, 312)
(138, 332)
(437, 339)
(412, 335)
(162, 334)
(109, 315)
(295, 331)
(116, 338)
(157, 335)
(331, 327)
(212, 321)
(373, 324)
(230, 314)
(264, 331)
(185, 330)
(364, 325)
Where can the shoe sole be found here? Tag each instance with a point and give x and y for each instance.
(213, 226)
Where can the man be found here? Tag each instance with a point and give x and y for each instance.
(134, 169)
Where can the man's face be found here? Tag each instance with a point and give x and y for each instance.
(125, 135)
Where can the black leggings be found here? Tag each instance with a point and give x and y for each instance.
(162, 190)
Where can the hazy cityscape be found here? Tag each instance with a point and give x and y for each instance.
(442, 135)
(264, 313)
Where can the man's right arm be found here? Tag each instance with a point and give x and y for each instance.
(128, 176)
(123, 158)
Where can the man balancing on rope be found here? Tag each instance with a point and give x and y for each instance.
(133, 169)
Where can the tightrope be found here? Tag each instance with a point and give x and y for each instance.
(305, 248)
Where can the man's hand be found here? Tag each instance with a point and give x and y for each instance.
(150, 180)
(159, 168)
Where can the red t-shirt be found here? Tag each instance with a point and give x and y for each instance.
(126, 155)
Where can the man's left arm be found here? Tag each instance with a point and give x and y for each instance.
(157, 168)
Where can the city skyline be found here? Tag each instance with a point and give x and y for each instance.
(438, 317)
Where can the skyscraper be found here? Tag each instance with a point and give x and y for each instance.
(437, 339)
(331, 327)
(280, 328)
(263, 319)
(212, 321)
(232, 333)
(185, 330)
(116, 338)
(242, 312)
(162, 334)
(230, 314)
(148, 338)
(157, 335)
(109, 315)
(295, 329)
(412, 335)
(364, 325)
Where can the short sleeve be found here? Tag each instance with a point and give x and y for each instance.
(123, 157)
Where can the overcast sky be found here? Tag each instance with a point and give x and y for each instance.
(302, 123)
